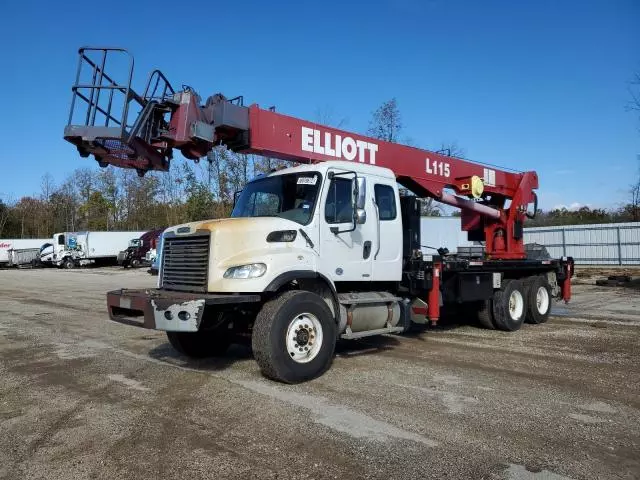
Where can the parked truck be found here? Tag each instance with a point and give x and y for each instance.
(325, 250)
(136, 254)
(74, 249)
(18, 244)
(153, 256)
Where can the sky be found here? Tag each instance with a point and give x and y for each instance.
(530, 85)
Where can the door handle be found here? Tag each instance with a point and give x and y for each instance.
(366, 251)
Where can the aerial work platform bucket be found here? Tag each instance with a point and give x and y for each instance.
(110, 121)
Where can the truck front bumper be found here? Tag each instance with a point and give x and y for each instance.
(167, 310)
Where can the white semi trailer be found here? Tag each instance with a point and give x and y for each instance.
(18, 244)
(73, 249)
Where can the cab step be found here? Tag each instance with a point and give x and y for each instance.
(370, 333)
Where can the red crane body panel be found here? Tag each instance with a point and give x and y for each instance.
(289, 138)
(423, 172)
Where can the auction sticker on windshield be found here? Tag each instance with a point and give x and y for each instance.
(307, 180)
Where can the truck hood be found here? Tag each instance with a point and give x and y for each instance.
(241, 241)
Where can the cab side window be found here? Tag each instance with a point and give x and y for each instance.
(386, 201)
(339, 207)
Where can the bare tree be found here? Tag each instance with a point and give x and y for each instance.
(452, 149)
(5, 213)
(27, 209)
(634, 104)
(47, 187)
(326, 116)
(107, 183)
(635, 196)
(386, 123)
(634, 90)
(430, 208)
(68, 204)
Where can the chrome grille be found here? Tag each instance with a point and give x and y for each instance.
(185, 263)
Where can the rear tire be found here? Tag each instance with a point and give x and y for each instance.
(200, 344)
(538, 300)
(294, 337)
(510, 305)
(485, 315)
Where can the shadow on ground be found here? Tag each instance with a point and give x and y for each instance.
(365, 346)
(235, 354)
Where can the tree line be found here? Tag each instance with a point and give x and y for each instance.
(117, 199)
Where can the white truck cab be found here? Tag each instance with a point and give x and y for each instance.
(299, 219)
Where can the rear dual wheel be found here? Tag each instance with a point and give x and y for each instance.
(538, 299)
(485, 314)
(518, 301)
(509, 306)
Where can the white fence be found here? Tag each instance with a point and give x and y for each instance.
(596, 244)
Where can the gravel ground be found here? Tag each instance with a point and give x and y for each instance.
(82, 397)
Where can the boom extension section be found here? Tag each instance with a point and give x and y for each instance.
(494, 202)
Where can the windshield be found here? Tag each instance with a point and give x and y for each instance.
(291, 196)
(136, 242)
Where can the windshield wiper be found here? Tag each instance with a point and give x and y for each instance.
(306, 237)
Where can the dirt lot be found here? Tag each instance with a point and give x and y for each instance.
(82, 397)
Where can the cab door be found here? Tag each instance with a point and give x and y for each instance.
(347, 247)
(387, 257)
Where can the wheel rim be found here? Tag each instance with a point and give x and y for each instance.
(542, 300)
(304, 338)
(516, 305)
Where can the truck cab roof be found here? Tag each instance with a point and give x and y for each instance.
(359, 168)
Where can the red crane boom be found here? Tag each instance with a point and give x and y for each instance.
(494, 202)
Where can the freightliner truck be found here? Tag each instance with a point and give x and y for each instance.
(324, 250)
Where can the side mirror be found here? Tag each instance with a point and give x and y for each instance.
(361, 216)
(236, 195)
(360, 194)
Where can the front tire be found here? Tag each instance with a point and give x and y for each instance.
(294, 337)
(68, 264)
(200, 344)
(135, 263)
(510, 305)
(538, 300)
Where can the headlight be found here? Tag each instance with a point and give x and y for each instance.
(253, 270)
(282, 236)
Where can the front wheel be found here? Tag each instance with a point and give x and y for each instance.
(135, 263)
(68, 264)
(294, 337)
